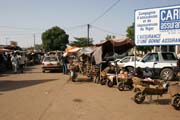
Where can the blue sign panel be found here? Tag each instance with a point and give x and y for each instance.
(170, 19)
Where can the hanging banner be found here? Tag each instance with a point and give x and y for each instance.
(157, 26)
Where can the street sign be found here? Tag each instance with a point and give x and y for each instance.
(157, 26)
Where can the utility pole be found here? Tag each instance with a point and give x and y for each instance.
(34, 40)
(6, 40)
(88, 26)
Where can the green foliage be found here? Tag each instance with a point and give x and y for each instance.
(55, 39)
(110, 37)
(82, 42)
(130, 34)
(38, 47)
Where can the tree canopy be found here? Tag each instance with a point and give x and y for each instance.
(55, 38)
(110, 37)
(130, 33)
(82, 42)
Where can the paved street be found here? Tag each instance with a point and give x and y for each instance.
(50, 96)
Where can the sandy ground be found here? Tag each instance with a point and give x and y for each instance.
(50, 96)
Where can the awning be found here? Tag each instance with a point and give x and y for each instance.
(116, 45)
(70, 50)
(4, 50)
(86, 51)
(111, 46)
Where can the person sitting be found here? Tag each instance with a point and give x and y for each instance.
(147, 73)
(123, 74)
(110, 69)
(138, 73)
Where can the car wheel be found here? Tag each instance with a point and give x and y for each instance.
(43, 71)
(167, 74)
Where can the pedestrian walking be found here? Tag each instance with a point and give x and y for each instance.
(64, 62)
(14, 62)
(22, 60)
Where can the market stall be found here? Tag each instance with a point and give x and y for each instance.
(104, 49)
(112, 46)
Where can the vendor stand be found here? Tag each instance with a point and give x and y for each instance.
(111, 46)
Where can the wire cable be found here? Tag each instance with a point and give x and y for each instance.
(75, 27)
(106, 11)
(106, 31)
(11, 27)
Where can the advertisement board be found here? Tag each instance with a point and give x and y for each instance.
(157, 26)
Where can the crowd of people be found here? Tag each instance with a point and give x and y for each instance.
(16, 61)
(13, 61)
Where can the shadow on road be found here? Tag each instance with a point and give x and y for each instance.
(29, 68)
(163, 101)
(158, 102)
(3, 75)
(7, 85)
(81, 80)
(10, 72)
(77, 100)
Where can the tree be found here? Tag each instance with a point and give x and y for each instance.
(82, 42)
(110, 37)
(55, 39)
(130, 33)
(38, 47)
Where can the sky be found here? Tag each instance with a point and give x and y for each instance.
(21, 19)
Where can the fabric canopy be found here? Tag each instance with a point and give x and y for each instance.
(4, 50)
(111, 46)
(70, 50)
(116, 45)
(86, 51)
(98, 55)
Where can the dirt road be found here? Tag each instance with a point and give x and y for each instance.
(50, 96)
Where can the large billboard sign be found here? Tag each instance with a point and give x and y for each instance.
(157, 26)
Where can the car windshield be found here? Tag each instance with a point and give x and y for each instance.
(50, 59)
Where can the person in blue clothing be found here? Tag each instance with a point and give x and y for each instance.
(64, 62)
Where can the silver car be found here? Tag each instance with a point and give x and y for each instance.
(121, 62)
(51, 63)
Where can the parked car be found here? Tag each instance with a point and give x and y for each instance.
(163, 64)
(121, 62)
(114, 56)
(51, 63)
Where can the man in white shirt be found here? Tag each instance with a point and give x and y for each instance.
(22, 60)
(14, 62)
